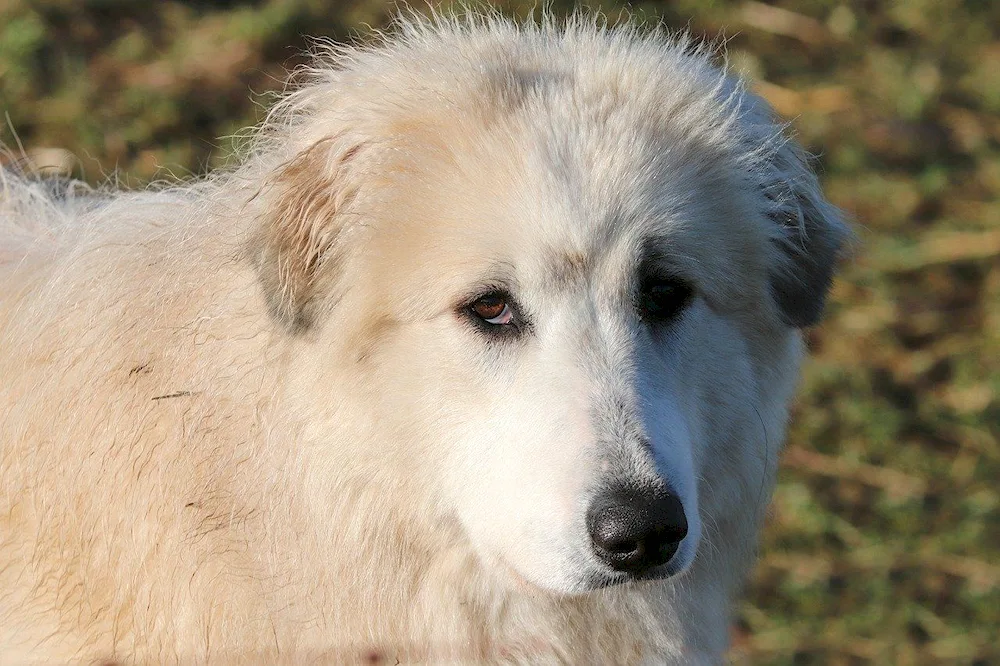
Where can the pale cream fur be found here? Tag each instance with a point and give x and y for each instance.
(237, 415)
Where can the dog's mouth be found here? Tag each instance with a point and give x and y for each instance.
(602, 580)
(595, 578)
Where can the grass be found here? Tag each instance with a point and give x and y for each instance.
(884, 545)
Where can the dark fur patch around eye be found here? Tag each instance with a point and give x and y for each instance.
(661, 299)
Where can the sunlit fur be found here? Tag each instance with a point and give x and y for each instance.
(247, 419)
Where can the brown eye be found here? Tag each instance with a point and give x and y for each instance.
(493, 309)
(662, 299)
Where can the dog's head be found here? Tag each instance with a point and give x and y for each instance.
(560, 273)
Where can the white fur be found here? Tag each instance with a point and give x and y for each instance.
(247, 420)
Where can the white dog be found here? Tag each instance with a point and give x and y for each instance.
(482, 353)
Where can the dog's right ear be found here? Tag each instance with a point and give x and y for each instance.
(299, 234)
(810, 236)
(808, 233)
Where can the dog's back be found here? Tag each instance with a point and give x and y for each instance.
(116, 320)
(30, 214)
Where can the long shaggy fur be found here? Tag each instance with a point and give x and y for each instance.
(247, 419)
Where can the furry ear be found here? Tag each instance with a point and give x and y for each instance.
(810, 236)
(299, 233)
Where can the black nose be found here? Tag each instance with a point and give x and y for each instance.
(635, 530)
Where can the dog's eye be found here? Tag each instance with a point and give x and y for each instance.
(493, 309)
(662, 299)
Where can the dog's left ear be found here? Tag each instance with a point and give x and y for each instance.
(809, 238)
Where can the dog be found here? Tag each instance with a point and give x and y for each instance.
(482, 352)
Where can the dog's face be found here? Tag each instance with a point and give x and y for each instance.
(570, 306)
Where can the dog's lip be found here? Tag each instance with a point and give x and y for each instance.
(604, 580)
(609, 578)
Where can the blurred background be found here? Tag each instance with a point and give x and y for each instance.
(884, 542)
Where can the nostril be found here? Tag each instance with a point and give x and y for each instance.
(623, 547)
(613, 529)
(634, 530)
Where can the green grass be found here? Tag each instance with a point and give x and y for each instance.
(884, 546)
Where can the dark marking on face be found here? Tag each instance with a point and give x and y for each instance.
(514, 87)
(568, 268)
